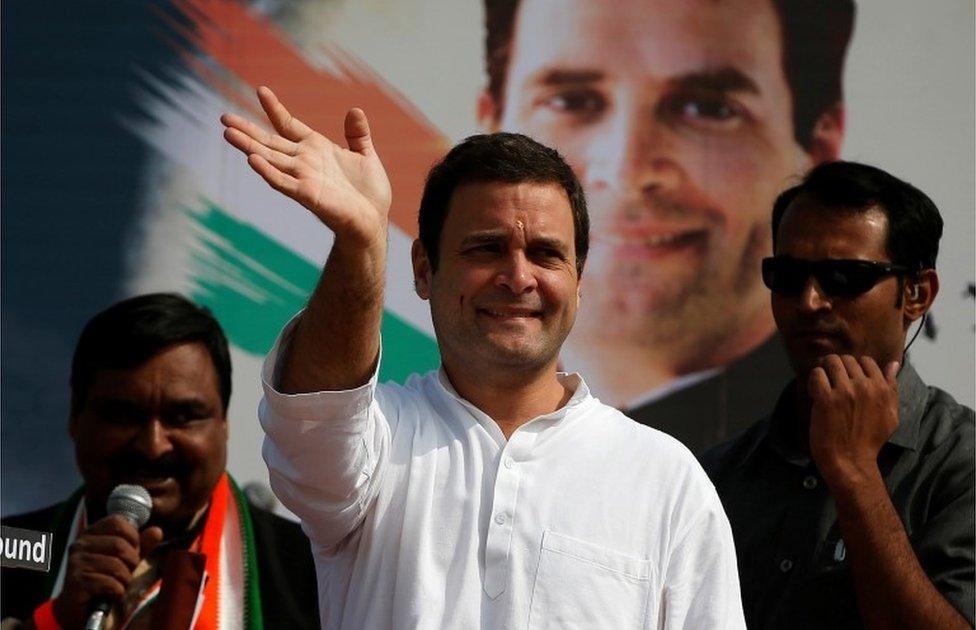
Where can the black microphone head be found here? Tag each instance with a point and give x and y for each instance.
(131, 502)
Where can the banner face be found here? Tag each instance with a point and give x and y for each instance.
(683, 122)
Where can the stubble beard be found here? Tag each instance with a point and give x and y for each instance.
(677, 321)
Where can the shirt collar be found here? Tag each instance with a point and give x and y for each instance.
(912, 398)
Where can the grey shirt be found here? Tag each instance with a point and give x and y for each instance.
(792, 559)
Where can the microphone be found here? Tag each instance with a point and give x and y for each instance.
(133, 504)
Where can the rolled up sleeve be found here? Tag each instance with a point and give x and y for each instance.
(325, 451)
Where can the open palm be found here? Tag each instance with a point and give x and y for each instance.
(347, 189)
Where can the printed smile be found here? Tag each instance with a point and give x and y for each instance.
(646, 243)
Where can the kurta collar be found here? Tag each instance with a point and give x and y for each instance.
(572, 381)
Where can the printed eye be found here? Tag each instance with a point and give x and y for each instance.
(707, 112)
(582, 102)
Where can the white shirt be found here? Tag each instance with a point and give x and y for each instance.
(422, 515)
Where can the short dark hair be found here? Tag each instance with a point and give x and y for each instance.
(509, 158)
(129, 333)
(816, 34)
(914, 222)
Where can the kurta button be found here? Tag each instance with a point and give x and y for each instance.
(508, 462)
(500, 518)
(810, 482)
(785, 565)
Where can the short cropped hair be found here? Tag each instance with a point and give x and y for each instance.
(816, 34)
(509, 158)
(914, 222)
(129, 333)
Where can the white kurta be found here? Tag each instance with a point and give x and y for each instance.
(422, 515)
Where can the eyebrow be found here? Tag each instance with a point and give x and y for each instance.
(723, 79)
(495, 236)
(490, 236)
(557, 76)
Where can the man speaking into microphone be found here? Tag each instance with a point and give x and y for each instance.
(150, 385)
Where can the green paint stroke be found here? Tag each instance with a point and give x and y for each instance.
(254, 285)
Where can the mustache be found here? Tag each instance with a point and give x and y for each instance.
(135, 465)
(818, 327)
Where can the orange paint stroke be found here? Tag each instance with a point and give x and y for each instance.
(257, 52)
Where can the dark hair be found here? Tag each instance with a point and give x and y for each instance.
(130, 332)
(914, 222)
(815, 38)
(499, 157)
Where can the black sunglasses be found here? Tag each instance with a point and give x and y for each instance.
(837, 277)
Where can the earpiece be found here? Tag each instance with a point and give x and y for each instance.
(913, 294)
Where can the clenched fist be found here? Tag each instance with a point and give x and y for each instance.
(100, 565)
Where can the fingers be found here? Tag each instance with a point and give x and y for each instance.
(250, 138)
(818, 385)
(836, 371)
(108, 546)
(280, 181)
(114, 568)
(853, 368)
(282, 120)
(356, 127)
(149, 539)
(115, 525)
(101, 585)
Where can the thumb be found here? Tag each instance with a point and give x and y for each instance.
(357, 131)
(149, 539)
(891, 373)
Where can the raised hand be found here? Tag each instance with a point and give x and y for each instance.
(854, 412)
(100, 565)
(347, 189)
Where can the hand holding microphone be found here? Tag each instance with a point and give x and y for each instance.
(103, 557)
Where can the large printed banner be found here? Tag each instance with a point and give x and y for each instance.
(683, 119)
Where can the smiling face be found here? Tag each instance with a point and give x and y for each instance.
(160, 425)
(813, 324)
(677, 117)
(505, 292)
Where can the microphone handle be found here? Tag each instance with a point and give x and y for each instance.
(97, 617)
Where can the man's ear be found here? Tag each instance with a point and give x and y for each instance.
(489, 112)
(827, 135)
(422, 271)
(919, 293)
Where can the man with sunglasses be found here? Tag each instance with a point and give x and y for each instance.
(852, 503)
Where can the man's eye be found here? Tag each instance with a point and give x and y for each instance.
(121, 414)
(582, 102)
(549, 254)
(180, 417)
(486, 248)
(705, 112)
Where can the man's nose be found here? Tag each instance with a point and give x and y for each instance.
(516, 274)
(153, 439)
(813, 299)
(632, 153)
